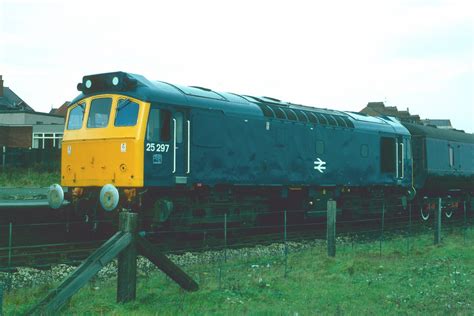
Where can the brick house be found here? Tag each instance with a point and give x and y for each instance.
(22, 127)
(379, 109)
(62, 110)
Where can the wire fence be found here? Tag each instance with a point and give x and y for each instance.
(372, 233)
(48, 158)
(214, 253)
(383, 235)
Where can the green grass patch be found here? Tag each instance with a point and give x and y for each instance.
(29, 177)
(426, 280)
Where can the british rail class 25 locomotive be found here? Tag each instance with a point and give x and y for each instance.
(185, 156)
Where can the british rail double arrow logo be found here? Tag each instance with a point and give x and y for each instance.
(320, 165)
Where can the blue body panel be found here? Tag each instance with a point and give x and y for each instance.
(233, 142)
(285, 154)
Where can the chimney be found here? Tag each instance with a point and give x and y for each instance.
(1, 86)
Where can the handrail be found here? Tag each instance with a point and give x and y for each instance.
(174, 145)
(189, 147)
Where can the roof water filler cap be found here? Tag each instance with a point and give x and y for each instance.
(55, 196)
(109, 197)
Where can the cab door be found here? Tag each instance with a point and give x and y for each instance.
(393, 157)
(181, 145)
(167, 146)
(400, 153)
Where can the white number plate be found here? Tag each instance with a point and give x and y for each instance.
(161, 148)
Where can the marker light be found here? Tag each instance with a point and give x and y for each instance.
(115, 81)
(88, 84)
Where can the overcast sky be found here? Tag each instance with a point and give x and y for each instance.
(332, 54)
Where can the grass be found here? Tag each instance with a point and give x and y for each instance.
(429, 280)
(28, 177)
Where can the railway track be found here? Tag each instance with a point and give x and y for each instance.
(43, 256)
(176, 242)
(43, 244)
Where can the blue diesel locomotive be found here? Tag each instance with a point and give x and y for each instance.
(185, 156)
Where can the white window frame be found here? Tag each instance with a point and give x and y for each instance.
(57, 138)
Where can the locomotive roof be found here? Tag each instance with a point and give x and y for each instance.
(139, 87)
(439, 133)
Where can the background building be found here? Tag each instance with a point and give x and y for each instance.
(10, 101)
(379, 109)
(444, 124)
(22, 127)
(62, 110)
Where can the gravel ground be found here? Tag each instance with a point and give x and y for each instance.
(29, 277)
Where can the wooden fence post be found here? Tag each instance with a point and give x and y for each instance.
(409, 228)
(331, 228)
(1, 299)
(286, 244)
(465, 221)
(127, 261)
(225, 237)
(437, 228)
(124, 244)
(383, 227)
(4, 156)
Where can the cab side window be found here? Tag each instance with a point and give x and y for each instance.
(387, 155)
(179, 127)
(159, 126)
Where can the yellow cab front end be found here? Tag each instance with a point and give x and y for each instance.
(102, 151)
(104, 142)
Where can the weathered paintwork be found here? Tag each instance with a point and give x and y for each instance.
(227, 139)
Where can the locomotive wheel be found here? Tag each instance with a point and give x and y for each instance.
(424, 216)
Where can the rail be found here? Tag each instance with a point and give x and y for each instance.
(66, 248)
